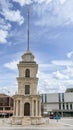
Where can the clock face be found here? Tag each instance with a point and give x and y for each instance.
(27, 57)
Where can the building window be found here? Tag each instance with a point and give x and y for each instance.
(4, 101)
(70, 106)
(59, 105)
(1, 102)
(42, 98)
(62, 97)
(59, 95)
(67, 106)
(27, 89)
(45, 98)
(7, 108)
(27, 73)
(1, 108)
(63, 106)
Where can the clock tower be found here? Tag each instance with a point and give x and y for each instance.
(27, 101)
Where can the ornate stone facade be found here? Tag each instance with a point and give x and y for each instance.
(27, 102)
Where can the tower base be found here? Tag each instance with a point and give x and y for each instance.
(27, 120)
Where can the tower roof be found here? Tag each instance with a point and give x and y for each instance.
(28, 56)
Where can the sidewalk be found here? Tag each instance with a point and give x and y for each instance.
(50, 124)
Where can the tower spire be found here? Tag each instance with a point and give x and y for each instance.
(28, 27)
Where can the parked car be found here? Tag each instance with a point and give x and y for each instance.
(51, 116)
(57, 117)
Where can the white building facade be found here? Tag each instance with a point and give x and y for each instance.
(61, 103)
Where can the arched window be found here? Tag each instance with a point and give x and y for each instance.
(27, 89)
(27, 73)
(26, 109)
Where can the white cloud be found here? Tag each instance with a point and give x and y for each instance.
(10, 90)
(6, 4)
(59, 75)
(26, 2)
(70, 55)
(48, 1)
(11, 65)
(56, 13)
(4, 28)
(3, 36)
(52, 12)
(4, 25)
(57, 80)
(63, 1)
(45, 65)
(9, 13)
(8, 16)
(13, 16)
(49, 84)
(69, 71)
(62, 62)
(54, 82)
(41, 1)
(23, 2)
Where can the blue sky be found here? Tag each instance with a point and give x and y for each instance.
(51, 42)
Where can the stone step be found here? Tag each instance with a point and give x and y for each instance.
(26, 121)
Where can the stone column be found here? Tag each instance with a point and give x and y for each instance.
(39, 108)
(36, 108)
(32, 108)
(21, 107)
(17, 108)
(14, 108)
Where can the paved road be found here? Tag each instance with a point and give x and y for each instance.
(63, 124)
(36, 128)
(67, 121)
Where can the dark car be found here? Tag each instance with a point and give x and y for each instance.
(51, 116)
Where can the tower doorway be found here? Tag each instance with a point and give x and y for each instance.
(26, 109)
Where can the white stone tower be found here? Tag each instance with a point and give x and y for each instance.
(27, 102)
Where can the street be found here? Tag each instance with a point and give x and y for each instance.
(62, 124)
(67, 121)
(36, 128)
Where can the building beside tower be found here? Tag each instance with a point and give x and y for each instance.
(58, 103)
(6, 105)
(27, 102)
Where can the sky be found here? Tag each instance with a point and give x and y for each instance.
(51, 42)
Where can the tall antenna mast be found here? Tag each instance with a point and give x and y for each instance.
(28, 27)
